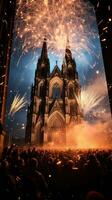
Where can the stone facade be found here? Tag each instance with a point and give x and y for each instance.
(53, 100)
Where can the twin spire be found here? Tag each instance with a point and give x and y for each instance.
(44, 54)
(67, 43)
(43, 66)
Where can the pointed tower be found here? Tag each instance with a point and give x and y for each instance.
(36, 110)
(44, 50)
(53, 101)
(43, 65)
(71, 87)
(69, 64)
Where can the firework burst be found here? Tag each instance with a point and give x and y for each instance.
(55, 20)
(93, 95)
(17, 104)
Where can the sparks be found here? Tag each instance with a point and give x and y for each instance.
(110, 19)
(17, 104)
(105, 28)
(92, 95)
(46, 2)
(103, 40)
(56, 21)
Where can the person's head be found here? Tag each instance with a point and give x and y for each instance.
(5, 164)
(21, 162)
(33, 163)
(93, 195)
(70, 164)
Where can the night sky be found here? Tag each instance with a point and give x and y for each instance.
(89, 66)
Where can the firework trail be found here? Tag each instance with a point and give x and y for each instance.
(92, 95)
(55, 20)
(17, 104)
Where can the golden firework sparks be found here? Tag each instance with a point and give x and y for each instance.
(17, 104)
(46, 2)
(55, 20)
(92, 95)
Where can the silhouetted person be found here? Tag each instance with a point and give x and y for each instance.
(7, 182)
(35, 186)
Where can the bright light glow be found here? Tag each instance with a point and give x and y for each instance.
(55, 20)
(92, 95)
(17, 104)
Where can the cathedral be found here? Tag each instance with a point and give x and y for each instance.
(54, 105)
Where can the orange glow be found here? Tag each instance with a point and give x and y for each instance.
(55, 20)
(92, 96)
(46, 2)
(84, 136)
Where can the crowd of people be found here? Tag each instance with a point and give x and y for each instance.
(42, 174)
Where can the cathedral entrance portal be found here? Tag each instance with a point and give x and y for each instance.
(56, 129)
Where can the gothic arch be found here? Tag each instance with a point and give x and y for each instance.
(56, 125)
(53, 81)
(40, 88)
(56, 119)
(56, 91)
(38, 131)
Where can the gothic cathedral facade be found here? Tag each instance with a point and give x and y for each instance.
(53, 104)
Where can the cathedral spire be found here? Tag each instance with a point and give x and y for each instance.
(69, 64)
(68, 54)
(67, 43)
(43, 65)
(44, 54)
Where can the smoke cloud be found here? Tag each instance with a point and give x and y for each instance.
(86, 135)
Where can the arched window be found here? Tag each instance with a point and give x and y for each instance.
(70, 91)
(56, 91)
